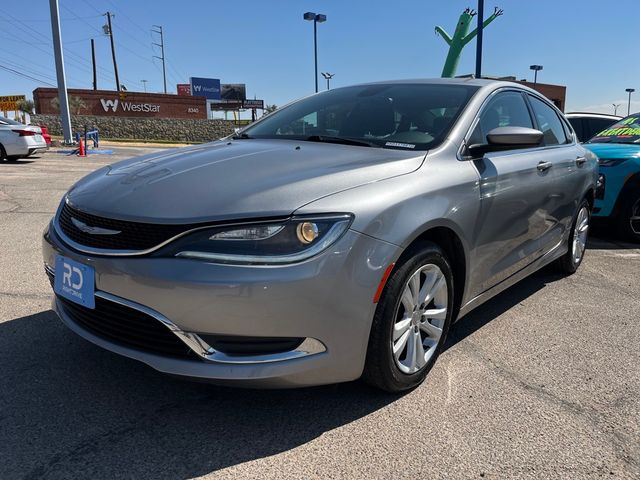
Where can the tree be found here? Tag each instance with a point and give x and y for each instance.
(26, 106)
(75, 104)
(270, 108)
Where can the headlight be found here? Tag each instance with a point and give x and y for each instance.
(610, 162)
(289, 241)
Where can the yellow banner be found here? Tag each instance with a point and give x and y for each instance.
(9, 103)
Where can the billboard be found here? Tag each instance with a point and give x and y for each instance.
(233, 91)
(253, 104)
(183, 88)
(9, 103)
(205, 87)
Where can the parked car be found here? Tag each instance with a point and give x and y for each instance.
(618, 194)
(586, 125)
(337, 237)
(18, 140)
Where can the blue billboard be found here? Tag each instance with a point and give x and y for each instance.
(205, 87)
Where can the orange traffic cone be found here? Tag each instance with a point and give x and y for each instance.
(81, 151)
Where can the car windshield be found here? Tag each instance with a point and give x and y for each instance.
(626, 130)
(6, 121)
(405, 116)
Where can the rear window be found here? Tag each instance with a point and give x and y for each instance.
(626, 130)
(7, 121)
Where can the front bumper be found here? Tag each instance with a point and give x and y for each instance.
(327, 299)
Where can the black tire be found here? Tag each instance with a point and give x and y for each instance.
(3, 153)
(568, 264)
(381, 369)
(630, 208)
(13, 158)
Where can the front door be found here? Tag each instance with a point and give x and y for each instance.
(516, 197)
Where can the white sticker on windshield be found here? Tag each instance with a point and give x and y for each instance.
(401, 145)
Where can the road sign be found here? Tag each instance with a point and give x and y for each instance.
(9, 103)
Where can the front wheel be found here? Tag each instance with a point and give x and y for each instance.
(411, 321)
(570, 261)
(629, 218)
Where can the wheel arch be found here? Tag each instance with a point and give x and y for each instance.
(630, 186)
(447, 238)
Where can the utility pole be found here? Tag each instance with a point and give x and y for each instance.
(144, 83)
(63, 99)
(93, 64)
(108, 29)
(479, 39)
(161, 45)
(615, 108)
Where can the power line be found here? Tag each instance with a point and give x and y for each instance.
(16, 72)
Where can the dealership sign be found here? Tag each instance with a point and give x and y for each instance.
(125, 104)
(205, 87)
(183, 88)
(9, 103)
(111, 105)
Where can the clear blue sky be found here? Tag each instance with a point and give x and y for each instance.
(584, 44)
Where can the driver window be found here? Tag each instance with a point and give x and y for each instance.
(506, 109)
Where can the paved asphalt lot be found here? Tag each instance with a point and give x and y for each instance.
(542, 382)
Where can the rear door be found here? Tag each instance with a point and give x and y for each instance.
(567, 162)
(515, 196)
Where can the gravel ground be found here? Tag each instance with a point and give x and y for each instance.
(541, 382)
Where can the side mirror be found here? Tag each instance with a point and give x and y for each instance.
(508, 138)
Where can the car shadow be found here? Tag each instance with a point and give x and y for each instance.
(21, 161)
(499, 304)
(602, 237)
(71, 410)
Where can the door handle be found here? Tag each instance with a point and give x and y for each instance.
(544, 166)
(581, 161)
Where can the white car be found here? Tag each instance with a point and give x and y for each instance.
(18, 140)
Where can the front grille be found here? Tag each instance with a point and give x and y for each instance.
(132, 236)
(128, 327)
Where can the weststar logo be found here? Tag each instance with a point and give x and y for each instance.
(109, 104)
(197, 88)
(112, 105)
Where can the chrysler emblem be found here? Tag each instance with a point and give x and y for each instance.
(93, 230)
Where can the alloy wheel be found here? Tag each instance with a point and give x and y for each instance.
(419, 319)
(580, 234)
(634, 220)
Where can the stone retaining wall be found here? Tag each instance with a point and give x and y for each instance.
(167, 129)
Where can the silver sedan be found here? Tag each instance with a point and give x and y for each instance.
(336, 238)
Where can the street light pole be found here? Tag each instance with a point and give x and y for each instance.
(328, 76)
(615, 108)
(479, 39)
(536, 69)
(316, 18)
(63, 99)
(144, 84)
(629, 91)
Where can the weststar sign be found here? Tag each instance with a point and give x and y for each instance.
(112, 105)
(124, 104)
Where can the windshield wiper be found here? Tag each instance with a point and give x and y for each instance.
(340, 140)
(242, 136)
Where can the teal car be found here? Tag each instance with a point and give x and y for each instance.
(618, 193)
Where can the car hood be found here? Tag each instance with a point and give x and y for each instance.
(614, 150)
(233, 180)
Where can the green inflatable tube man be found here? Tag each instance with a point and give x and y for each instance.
(460, 38)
